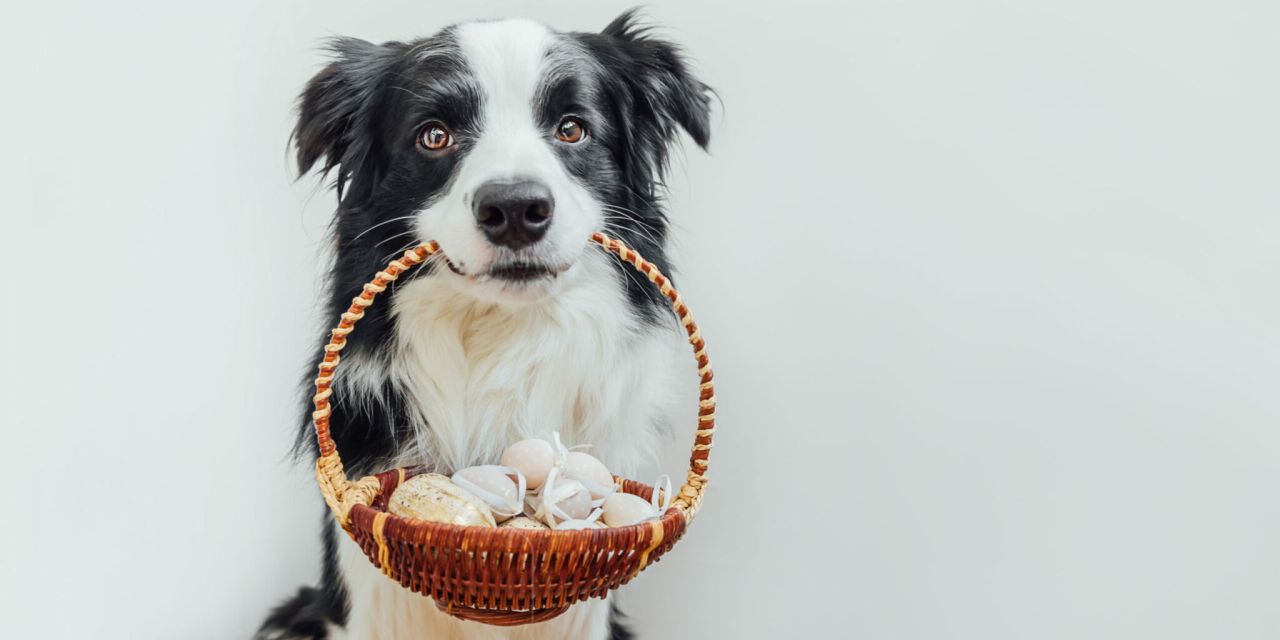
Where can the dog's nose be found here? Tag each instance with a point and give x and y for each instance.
(514, 214)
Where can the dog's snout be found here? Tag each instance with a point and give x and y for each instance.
(514, 214)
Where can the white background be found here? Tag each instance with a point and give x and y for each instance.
(991, 287)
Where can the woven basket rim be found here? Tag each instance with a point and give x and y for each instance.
(355, 504)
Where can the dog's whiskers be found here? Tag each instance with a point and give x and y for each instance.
(642, 228)
(384, 222)
(398, 235)
(630, 215)
(612, 228)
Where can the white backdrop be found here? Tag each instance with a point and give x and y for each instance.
(991, 287)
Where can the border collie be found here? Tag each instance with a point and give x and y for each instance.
(509, 143)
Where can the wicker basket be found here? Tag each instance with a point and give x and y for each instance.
(504, 576)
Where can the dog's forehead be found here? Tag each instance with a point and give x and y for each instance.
(507, 55)
(509, 62)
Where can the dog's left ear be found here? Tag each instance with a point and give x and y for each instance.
(663, 93)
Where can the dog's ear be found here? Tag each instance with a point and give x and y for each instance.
(337, 110)
(663, 93)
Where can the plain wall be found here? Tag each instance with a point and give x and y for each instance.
(991, 288)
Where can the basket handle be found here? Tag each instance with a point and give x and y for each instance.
(342, 494)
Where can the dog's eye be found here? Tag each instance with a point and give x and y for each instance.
(435, 137)
(571, 130)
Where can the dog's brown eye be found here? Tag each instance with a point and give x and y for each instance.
(571, 130)
(435, 137)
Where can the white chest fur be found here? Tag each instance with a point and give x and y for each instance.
(478, 376)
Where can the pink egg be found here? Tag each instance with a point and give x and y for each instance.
(533, 457)
(578, 503)
(592, 473)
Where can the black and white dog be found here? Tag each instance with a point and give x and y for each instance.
(509, 143)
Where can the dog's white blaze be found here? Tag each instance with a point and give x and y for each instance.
(508, 59)
(480, 373)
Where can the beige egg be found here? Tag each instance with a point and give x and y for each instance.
(575, 525)
(523, 522)
(433, 497)
(591, 472)
(499, 487)
(534, 458)
(623, 509)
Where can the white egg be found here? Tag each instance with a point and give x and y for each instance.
(591, 472)
(499, 487)
(623, 509)
(561, 499)
(533, 457)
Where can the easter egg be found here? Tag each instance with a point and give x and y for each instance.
(561, 499)
(534, 458)
(623, 509)
(591, 472)
(577, 501)
(523, 522)
(433, 497)
(575, 525)
(590, 522)
(502, 488)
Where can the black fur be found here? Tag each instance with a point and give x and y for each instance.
(302, 616)
(356, 120)
(648, 91)
(617, 629)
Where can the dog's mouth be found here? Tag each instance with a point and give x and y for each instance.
(522, 272)
(513, 272)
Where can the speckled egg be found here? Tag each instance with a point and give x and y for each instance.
(523, 522)
(433, 497)
(575, 525)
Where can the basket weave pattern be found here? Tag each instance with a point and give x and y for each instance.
(492, 575)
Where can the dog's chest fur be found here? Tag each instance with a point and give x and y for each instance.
(476, 377)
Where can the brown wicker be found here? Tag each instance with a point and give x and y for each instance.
(504, 576)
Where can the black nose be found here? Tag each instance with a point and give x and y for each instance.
(514, 214)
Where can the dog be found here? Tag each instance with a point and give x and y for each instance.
(509, 143)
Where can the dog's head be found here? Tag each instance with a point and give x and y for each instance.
(507, 142)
